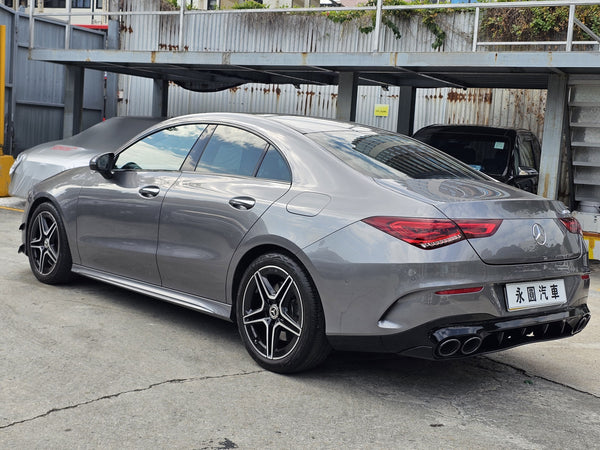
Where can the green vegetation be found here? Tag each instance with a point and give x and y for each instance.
(249, 4)
(536, 24)
(171, 5)
(496, 24)
(499, 24)
(366, 19)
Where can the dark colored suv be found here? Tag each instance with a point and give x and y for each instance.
(507, 154)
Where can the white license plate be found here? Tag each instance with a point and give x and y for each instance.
(535, 294)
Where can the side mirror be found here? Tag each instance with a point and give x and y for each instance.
(103, 164)
(527, 172)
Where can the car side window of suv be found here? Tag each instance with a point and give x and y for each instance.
(526, 153)
(164, 150)
(232, 151)
(537, 151)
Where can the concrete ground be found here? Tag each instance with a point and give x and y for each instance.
(87, 365)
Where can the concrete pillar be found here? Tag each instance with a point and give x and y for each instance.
(160, 98)
(73, 100)
(347, 94)
(554, 121)
(406, 110)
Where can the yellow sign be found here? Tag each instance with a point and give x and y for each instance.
(382, 110)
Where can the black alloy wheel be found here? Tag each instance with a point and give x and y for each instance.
(280, 317)
(47, 246)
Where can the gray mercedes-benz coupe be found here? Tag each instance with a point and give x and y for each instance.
(315, 234)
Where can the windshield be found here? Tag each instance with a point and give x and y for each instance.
(391, 156)
(487, 153)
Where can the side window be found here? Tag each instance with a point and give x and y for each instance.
(274, 167)
(537, 152)
(232, 151)
(164, 150)
(526, 158)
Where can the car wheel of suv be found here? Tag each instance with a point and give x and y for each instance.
(280, 317)
(47, 246)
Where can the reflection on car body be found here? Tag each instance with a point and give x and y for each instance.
(47, 159)
(313, 234)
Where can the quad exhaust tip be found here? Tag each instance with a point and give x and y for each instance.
(471, 345)
(465, 341)
(449, 347)
(466, 345)
(581, 324)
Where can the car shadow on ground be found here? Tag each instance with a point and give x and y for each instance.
(225, 334)
(444, 393)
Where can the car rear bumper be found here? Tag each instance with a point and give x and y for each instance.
(466, 335)
(386, 287)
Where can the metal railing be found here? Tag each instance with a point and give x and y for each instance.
(379, 8)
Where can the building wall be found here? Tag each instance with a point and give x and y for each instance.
(35, 90)
(515, 108)
(275, 32)
(94, 5)
(268, 32)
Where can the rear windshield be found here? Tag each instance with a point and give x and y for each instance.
(391, 156)
(487, 153)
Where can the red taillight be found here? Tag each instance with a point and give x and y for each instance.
(478, 228)
(433, 233)
(423, 233)
(461, 291)
(572, 225)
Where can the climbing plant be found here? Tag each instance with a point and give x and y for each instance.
(537, 23)
(366, 19)
(172, 5)
(249, 4)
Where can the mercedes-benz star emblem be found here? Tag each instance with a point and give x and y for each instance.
(274, 312)
(538, 234)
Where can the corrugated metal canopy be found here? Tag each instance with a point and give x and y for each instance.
(211, 71)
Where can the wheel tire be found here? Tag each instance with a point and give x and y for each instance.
(279, 315)
(47, 246)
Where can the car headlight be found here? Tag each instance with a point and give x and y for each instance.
(18, 161)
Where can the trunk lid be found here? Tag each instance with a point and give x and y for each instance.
(531, 230)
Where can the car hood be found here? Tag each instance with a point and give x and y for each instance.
(522, 214)
(42, 162)
(47, 159)
(59, 154)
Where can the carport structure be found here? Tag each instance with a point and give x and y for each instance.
(183, 53)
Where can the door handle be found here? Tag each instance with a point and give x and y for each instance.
(242, 203)
(149, 191)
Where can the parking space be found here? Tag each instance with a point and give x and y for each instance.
(92, 365)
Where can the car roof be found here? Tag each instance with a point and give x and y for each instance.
(471, 129)
(307, 125)
(301, 124)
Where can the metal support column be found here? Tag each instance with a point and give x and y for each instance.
(347, 95)
(68, 27)
(553, 132)
(31, 25)
(406, 110)
(181, 26)
(73, 112)
(160, 98)
(376, 32)
(112, 79)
